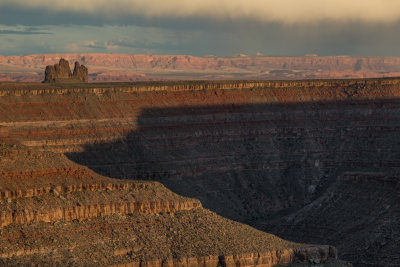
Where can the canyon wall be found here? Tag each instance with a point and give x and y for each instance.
(267, 153)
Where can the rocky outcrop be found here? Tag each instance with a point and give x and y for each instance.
(57, 72)
(80, 72)
(61, 72)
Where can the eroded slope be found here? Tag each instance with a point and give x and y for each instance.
(55, 212)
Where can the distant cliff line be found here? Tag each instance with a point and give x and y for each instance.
(184, 61)
(128, 67)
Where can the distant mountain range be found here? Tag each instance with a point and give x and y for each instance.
(126, 67)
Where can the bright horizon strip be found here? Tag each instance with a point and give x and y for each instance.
(284, 11)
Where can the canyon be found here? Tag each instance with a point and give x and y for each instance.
(128, 68)
(194, 166)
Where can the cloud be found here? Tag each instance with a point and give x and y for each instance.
(72, 47)
(100, 45)
(79, 32)
(22, 30)
(284, 11)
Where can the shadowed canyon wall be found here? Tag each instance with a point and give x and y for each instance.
(301, 158)
(252, 161)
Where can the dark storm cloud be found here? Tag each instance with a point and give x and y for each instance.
(276, 39)
(35, 17)
(284, 11)
(201, 35)
(38, 17)
(323, 38)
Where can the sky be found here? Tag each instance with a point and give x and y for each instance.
(201, 27)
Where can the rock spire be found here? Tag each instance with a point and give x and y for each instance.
(61, 72)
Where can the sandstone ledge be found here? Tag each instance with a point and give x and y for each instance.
(75, 175)
(311, 254)
(40, 191)
(95, 210)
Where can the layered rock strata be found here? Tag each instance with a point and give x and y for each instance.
(250, 151)
(3, 131)
(73, 193)
(55, 212)
(311, 90)
(80, 72)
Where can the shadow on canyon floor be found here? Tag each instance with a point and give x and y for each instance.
(262, 162)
